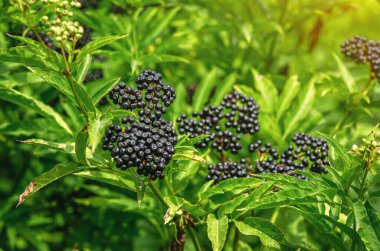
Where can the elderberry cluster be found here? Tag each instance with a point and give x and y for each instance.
(223, 124)
(307, 153)
(147, 141)
(226, 170)
(152, 95)
(362, 51)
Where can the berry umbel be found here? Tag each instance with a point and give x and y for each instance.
(224, 124)
(147, 140)
(307, 153)
(363, 51)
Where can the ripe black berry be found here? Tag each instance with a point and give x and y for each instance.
(226, 170)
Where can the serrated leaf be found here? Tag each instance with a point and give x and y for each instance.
(81, 95)
(188, 155)
(21, 55)
(104, 90)
(109, 176)
(67, 148)
(29, 102)
(268, 233)
(203, 91)
(83, 68)
(291, 89)
(57, 80)
(217, 231)
(348, 79)
(50, 176)
(340, 150)
(236, 186)
(80, 146)
(268, 91)
(96, 44)
(51, 58)
(231, 205)
(305, 103)
(96, 128)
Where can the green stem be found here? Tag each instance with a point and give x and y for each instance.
(363, 183)
(195, 240)
(235, 246)
(157, 193)
(275, 215)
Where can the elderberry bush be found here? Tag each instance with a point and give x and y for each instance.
(307, 153)
(147, 141)
(363, 51)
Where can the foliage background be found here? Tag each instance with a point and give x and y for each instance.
(202, 45)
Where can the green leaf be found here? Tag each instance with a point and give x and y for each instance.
(268, 233)
(217, 231)
(104, 90)
(161, 25)
(80, 146)
(28, 102)
(305, 104)
(51, 59)
(203, 92)
(231, 205)
(339, 149)
(122, 180)
(267, 90)
(96, 44)
(348, 79)
(236, 186)
(21, 55)
(66, 148)
(82, 97)
(122, 113)
(224, 89)
(50, 176)
(373, 219)
(84, 66)
(188, 155)
(290, 92)
(97, 127)
(56, 79)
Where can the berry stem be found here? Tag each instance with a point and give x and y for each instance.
(157, 193)
(32, 27)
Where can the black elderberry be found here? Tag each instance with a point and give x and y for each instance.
(362, 51)
(308, 154)
(151, 96)
(226, 170)
(223, 124)
(147, 141)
